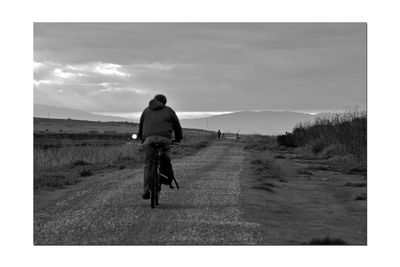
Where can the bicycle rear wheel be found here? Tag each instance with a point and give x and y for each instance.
(153, 190)
(157, 182)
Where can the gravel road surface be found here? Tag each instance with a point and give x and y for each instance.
(108, 208)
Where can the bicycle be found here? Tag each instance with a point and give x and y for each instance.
(155, 181)
(155, 185)
(154, 172)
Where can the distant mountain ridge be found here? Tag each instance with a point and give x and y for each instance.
(251, 122)
(45, 111)
(246, 122)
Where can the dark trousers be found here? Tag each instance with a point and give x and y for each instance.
(165, 159)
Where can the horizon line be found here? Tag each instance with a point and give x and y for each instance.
(207, 114)
(135, 115)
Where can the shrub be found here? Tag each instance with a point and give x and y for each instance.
(287, 140)
(317, 146)
(326, 241)
(344, 131)
(86, 173)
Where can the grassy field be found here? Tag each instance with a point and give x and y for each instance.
(337, 134)
(44, 125)
(321, 195)
(65, 154)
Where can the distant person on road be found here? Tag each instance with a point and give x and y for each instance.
(237, 136)
(157, 123)
(219, 134)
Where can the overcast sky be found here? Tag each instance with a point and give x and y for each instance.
(117, 68)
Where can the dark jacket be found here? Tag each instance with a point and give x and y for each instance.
(158, 119)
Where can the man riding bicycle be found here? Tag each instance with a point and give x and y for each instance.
(157, 123)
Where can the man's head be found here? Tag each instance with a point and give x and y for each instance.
(161, 98)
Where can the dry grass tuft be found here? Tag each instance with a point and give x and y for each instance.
(52, 182)
(334, 134)
(361, 197)
(86, 173)
(326, 241)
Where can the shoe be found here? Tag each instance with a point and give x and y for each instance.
(146, 195)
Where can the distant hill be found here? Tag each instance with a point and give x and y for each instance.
(247, 122)
(45, 111)
(41, 125)
(251, 122)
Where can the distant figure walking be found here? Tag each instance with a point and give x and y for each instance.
(219, 134)
(237, 136)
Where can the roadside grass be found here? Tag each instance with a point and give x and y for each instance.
(363, 196)
(86, 173)
(332, 135)
(356, 184)
(52, 182)
(82, 126)
(80, 156)
(59, 162)
(304, 170)
(265, 171)
(331, 157)
(333, 161)
(258, 142)
(346, 164)
(80, 163)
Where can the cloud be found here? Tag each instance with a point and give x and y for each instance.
(96, 71)
(95, 86)
(39, 82)
(110, 69)
(122, 89)
(70, 75)
(157, 66)
(65, 75)
(202, 66)
(37, 65)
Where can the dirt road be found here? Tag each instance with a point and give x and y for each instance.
(109, 209)
(215, 205)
